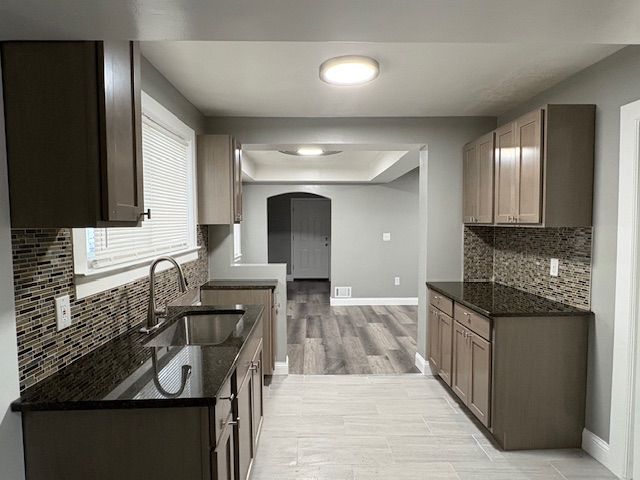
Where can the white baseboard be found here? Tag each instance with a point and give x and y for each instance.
(281, 368)
(344, 302)
(597, 448)
(421, 363)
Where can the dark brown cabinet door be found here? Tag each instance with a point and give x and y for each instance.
(434, 340)
(479, 392)
(73, 128)
(121, 132)
(485, 161)
(506, 174)
(257, 407)
(470, 173)
(224, 456)
(528, 139)
(445, 339)
(244, 436)
(460, 375)
(237, 181)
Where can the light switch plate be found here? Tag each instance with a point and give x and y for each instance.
(396, 281)
(386, 237)
(554, 267)
(63, 312)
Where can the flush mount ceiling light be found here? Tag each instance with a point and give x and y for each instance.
(309, 152)
(349, 70)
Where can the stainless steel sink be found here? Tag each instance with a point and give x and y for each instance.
(198, 328)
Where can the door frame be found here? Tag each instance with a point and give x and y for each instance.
(625, 386)
(318, 198)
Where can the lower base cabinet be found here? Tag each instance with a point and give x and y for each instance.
(522, 376)
(224, 457)
(216, 442)
(471, 378)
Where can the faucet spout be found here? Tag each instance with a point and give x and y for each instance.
(153, 312)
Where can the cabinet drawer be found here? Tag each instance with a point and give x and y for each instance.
(473, 321)
(248, 353)
(441, 302)
(224, 401)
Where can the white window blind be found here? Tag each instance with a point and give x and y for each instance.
(168, 192)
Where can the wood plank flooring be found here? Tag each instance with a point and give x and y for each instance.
(326, 340)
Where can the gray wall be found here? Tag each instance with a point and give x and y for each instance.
(609, 84)
(158, 87)
(10, 428)
(439, 238)
(359, 216)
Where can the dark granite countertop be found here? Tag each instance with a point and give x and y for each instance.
(120, 374)
(235, 284)
(497, 300)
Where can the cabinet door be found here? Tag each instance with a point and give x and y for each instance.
(237, 182)
(460, 375)
(244, 437)
(506, 175)
(257, 407)
(470, 183)
(445, 336)
(480, 378)
(434, 343)
(529, 161)
(121, 132)
(224, 456)
(485, 162)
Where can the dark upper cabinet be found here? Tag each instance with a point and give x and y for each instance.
(73, 127)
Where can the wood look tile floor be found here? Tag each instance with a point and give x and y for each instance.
(390, 427)
(347, 340)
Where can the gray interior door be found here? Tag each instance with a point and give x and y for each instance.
(310, 237)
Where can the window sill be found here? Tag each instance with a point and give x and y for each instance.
(96, 282)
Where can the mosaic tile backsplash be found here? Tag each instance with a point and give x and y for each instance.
(43, 270)
(520, 257)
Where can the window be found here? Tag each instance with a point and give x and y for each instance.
(108, 257)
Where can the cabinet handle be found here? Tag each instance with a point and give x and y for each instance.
(230, 423)
(230, 398)
(146, 214)
(254, 366)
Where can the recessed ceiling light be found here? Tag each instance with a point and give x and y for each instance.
(310, 151)
(349, 70)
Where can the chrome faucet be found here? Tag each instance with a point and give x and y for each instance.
(154, 313)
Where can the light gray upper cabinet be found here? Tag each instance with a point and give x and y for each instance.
(478, 180)
(542, 171)
(73, 128)
(219, 180)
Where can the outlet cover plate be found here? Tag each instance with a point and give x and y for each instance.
(386, 237)
(554, 267)
(63, 312)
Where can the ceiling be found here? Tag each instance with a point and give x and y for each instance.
(354, 164)
(469, 21)
(280, 79)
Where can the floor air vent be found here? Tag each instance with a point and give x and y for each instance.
(342, 292)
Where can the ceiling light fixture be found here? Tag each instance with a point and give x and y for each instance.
(349, 70)
(310, 152)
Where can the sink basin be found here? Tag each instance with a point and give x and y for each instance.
(198, 328)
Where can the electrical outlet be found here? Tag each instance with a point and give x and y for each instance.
(554, 267)
(63, 312)
(396, 281)
(386, 237)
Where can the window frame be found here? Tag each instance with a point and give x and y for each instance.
(91, 281)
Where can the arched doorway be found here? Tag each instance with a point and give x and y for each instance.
(299, 234)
